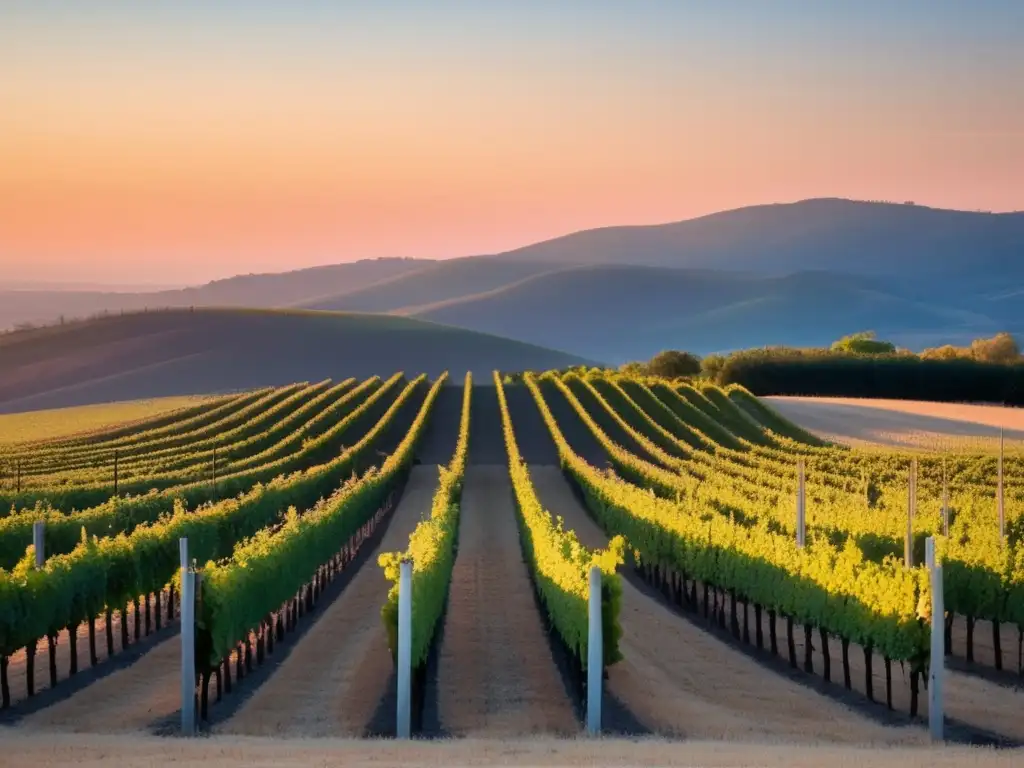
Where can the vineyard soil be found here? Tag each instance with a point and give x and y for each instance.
(496, 675)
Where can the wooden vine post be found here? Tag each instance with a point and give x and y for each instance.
(403, 726)
(1000, 492)
(801, 504)
(945, 499)
(937, 662)
(39, 542)
(908, 543)
(595, 654)
(188, 642)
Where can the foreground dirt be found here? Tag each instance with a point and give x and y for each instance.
(26, 751)
(334, 680)
(496, 675)
(678, 680)
(905, 423)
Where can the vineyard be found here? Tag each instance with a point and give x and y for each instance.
(492, 557)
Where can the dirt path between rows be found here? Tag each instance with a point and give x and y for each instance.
(26, 751)
(903, 423)
(678, 680)
(333, 681)
(496, 673)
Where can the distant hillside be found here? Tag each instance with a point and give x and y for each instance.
(439, 281)
(796, 273)
(616, 313)
(206, 351)
(878, 239)
(263, 290)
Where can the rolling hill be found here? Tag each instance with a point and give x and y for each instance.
(865, 238)
(178, 352)
(617, 313)
(436, 282)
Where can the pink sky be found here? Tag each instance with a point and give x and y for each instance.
(143, 152)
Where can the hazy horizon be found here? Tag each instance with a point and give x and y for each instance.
(143, 286)
(176, 144)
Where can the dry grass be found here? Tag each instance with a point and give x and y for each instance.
(63, 422)
(904, 423)
(27, 751)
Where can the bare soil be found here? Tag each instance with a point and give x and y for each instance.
(904, 423)
(496, 673)
(30, 751)
(332, 682)
(679, 680)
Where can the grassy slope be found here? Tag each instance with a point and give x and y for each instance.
(64, 422)
(179, 352)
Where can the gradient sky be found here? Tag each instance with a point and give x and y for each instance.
(182, 141)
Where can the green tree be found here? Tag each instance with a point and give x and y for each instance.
(864, 343)
(1001, 348)
(673, 363)
(712, 365)
(633, 369)
(946, 352)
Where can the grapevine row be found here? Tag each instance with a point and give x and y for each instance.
(267, 570)
(99, 574)
(431, 550)
(122, 515)
(881, 606)
(559, 565)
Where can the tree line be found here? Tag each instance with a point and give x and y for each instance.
(860, 365)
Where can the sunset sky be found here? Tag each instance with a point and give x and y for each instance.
(175, 142)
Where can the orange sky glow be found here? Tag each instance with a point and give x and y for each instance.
(143, 153)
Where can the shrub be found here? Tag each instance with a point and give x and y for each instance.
(672, 364)
(864, 344)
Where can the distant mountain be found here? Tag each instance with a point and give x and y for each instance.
(617, 313)
(876, 239)
(184, 352)
(260, 290)
(795, 273)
